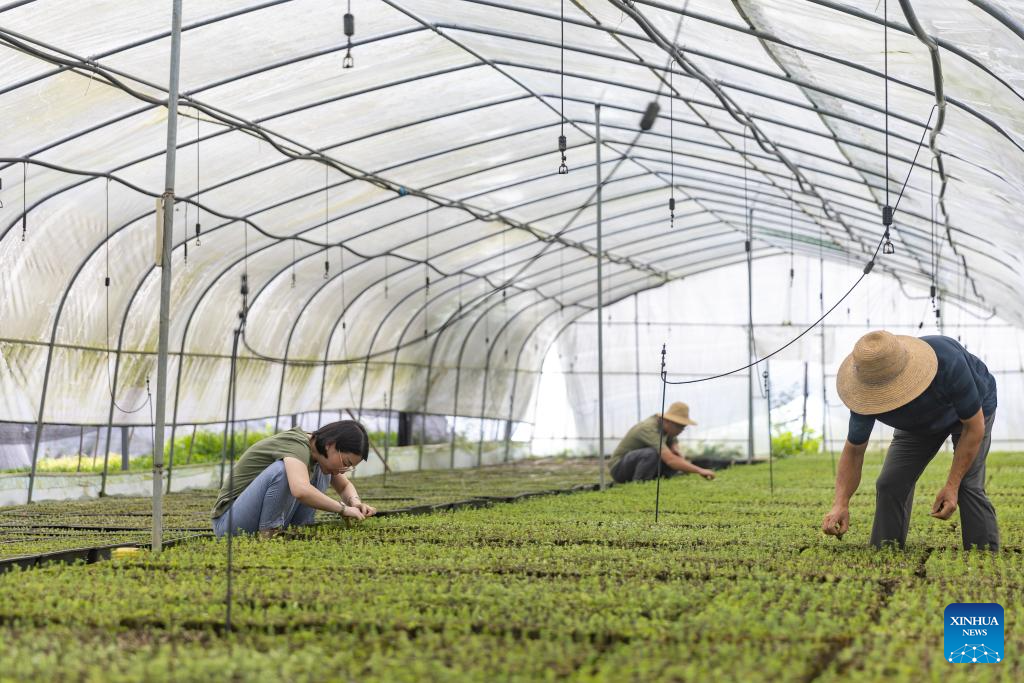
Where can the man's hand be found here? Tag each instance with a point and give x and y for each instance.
(352, 512)
(945, 503)
(707, 474)
(837, 521)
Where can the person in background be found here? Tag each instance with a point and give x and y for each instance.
(280, 481)
(638, 455)
(927, 389)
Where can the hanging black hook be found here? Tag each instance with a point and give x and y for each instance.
(350, 30)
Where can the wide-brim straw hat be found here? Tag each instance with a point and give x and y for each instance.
(885, 371)
(679, 413)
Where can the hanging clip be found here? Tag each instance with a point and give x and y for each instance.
(887, 246)
(327, 268)
(199, 229)
(671, 212)
(562, 169)
(350, 30)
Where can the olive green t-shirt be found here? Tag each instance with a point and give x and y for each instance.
(293, 443)
(645, 434)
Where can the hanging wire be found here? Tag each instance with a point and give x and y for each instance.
(887, 210)
(426, 274)
(24, 199)
(350, 30)
(106, 288)
(199, 226)
(868, 267)
(327, 225)
(184, 242)
(562, 168)
(293, 264)
(671, 151)
(792, 248)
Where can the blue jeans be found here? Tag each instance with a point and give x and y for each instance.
(267, 503)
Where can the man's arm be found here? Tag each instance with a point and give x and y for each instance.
(307, 494)
(963, 457)
(347, 490)
(670, 456)
(851, 462)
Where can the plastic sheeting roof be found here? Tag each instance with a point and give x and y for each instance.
(426, 177)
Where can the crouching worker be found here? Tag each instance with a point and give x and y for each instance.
(279, 481)
(927, 389)
(638, 455)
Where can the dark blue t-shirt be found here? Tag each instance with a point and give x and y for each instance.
(961, 386)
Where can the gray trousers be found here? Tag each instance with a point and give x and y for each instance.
(640, 465)
(908, 455)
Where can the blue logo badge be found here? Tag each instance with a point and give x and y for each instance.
(973, 633)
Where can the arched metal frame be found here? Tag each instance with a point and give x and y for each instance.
(439, 29)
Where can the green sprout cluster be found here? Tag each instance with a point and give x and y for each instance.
(733, 584)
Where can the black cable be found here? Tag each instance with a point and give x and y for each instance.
(198, 187)
(867, 269)
(327, 223)
(885, 33)
(916, 153)
(24, 199)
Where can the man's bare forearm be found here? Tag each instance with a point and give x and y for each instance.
(848, 473)
(677, 462)
(966, 451)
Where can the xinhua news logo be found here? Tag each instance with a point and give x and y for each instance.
(973, 633)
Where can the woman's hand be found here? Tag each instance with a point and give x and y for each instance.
(367, 510)
(352, 512)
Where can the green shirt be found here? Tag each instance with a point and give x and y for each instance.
(293, 443)
(646, 434)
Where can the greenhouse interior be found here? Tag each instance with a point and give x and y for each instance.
(486, 341)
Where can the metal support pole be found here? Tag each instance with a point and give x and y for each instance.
(768, 402)
(600, 303)
(750, 337)
(191, 445)
(803, 413)
(636, 350)
(96, 446)
(81, 444)
(126, 446)
(824, 381)
(165, 277)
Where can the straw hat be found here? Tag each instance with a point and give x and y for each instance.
(885, 371)
(679, 413)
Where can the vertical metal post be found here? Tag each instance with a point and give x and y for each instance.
(636, 349)
(81, 444)
(600, 304)
(96, 446)
(165, 277)
(191, 445)
(126, 446)
(824, 381)
(803, 414)
(768, 402)
(750, 337)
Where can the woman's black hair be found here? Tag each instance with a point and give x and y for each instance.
(348, 436)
